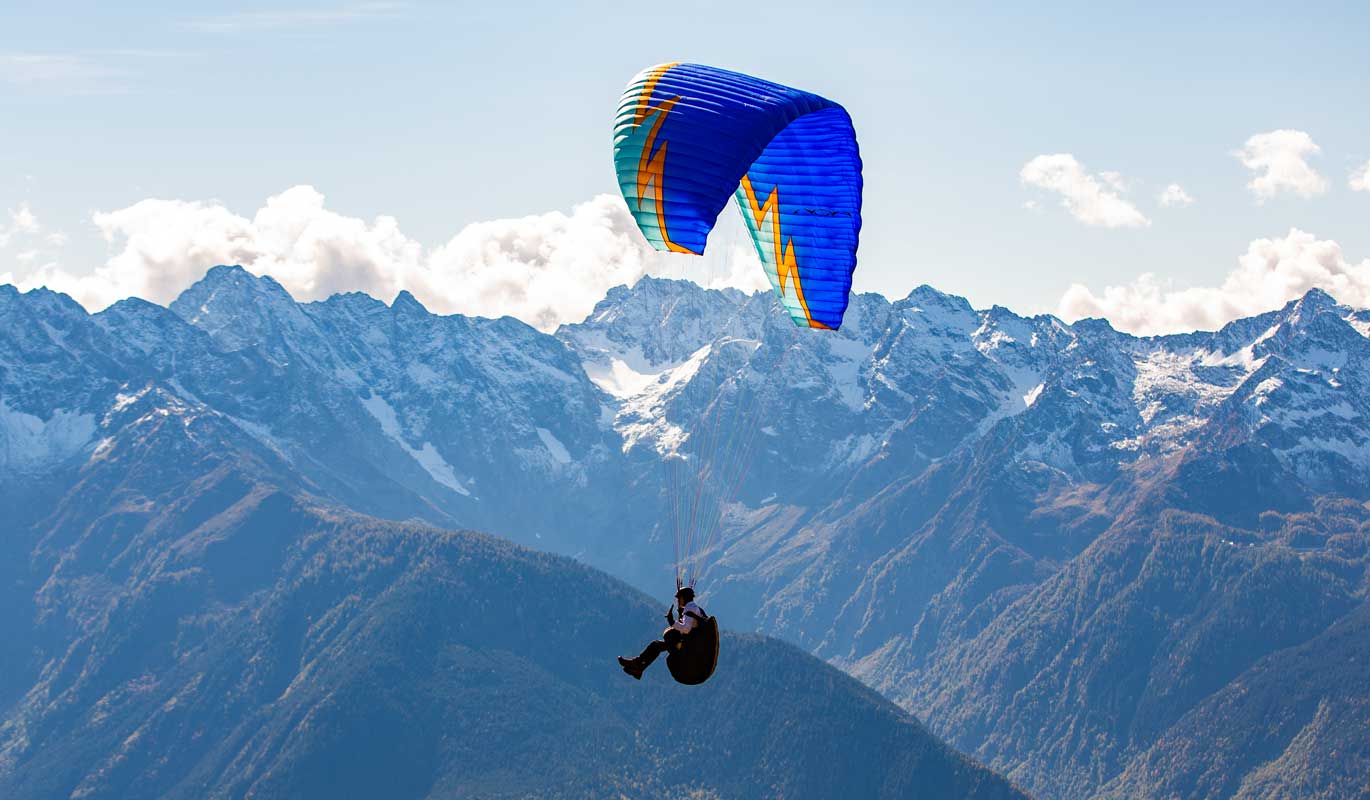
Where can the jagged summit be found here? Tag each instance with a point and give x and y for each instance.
(923, 293)
(131, 305)
(233, 280)
(41, 296)
(1315, 297)
(406, 302)
(239, 309)
(231, 285)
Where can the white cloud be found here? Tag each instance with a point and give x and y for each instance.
(1270, 274)
(1116, 180)
(1280, 159)
(1174, 196)
(544, 269)
(1084, 195)
(1360, 178)
(22, 221)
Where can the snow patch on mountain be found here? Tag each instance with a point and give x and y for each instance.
(1176, 390)
(853, 450)
(1243, 357)
(1050, 451)
(1356, 452)
(263, 434)
(1341, 410)
(1015, 346)
(1362, 326)
(1264, 389)
(554, 446)
(849, 357)
(1025, 385)
(1321, 361)
(427, 456)
(619, 379)
(30, 444)
(643, 416)
(123, 401)
(1000, 330)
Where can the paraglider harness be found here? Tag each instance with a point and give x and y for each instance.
(694, 655)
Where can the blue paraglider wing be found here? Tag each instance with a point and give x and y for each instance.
(688, 137)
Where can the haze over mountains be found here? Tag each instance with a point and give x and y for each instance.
(1106, 565)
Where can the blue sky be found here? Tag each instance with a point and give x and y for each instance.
(442, 115)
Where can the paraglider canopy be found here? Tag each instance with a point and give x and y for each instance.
(688, 137)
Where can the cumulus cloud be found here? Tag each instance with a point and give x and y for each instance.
(1270, 274)
(1280, 161)
(24, 220)
(1360, 178)
(21, 221)
(1116, 180)
(544, 269)
(1174, 196)
(1093, 200)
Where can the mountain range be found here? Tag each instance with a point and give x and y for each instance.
(1107, 566)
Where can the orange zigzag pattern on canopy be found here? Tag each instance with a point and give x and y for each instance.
(786, 267)
(651, 164)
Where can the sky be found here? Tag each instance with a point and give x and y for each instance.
(1165, 166)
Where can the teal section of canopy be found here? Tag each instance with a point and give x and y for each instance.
(688, 137)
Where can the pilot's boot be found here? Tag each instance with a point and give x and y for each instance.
(632, 666)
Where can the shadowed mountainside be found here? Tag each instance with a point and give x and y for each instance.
(197, 632)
